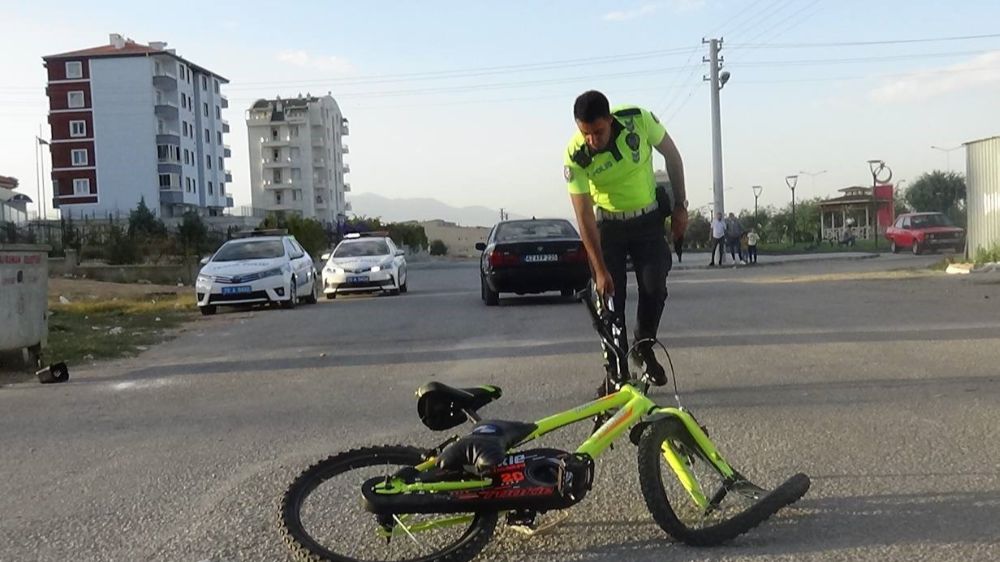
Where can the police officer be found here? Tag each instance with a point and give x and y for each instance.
(609, 173)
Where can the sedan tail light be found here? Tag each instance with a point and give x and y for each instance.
(501, 258)
(575, 255)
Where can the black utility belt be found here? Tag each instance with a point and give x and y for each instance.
(606, 215)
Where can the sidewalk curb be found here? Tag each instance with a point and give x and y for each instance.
(684, 266)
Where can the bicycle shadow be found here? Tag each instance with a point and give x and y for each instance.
(847, 523)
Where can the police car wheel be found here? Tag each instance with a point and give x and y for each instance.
(293, 296)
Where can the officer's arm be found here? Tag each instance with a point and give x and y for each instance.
(675, 168)
(583, 206)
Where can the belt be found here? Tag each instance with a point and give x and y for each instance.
(606, 215)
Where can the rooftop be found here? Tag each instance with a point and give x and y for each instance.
(119, 46)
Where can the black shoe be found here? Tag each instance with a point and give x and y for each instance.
(651, 367)
(711, 264)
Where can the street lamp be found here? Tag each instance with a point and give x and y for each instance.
(880, 173)
(947, 153)
(757, 189)
(791, 182)
(812, 178)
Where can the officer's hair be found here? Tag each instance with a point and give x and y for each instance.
(591, 106)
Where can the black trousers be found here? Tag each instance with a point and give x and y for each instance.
(718, 243)
(644, 240)
(752, 253)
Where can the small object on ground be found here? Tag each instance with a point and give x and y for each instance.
(57, 372)
(63, 300)
(536, 527)
(117, 330)
(959, 268)
(157, 319)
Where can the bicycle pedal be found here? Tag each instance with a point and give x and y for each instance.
(536, 529)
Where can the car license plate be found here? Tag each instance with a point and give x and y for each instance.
(357, 279)
(534, 258)
(236, 290)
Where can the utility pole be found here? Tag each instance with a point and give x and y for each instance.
(717, 80)
(791, 182)
(757, 190)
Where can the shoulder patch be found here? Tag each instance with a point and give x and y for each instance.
(581, 158)
(628, 111)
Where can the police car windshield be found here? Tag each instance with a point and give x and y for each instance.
(250, 250)
(535, 230)
(361, 248)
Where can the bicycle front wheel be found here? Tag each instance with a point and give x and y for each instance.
(691, 500)
(323, 518)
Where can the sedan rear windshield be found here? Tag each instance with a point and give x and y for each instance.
(250, 250)
(361, 249)
(925, 221)
(534, 230)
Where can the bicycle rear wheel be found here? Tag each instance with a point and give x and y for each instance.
(323, 518)
(728, 507)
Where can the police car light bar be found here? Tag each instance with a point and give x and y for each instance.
(375, 234)
(261, 232)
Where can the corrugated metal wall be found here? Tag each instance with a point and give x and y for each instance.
(983, 184)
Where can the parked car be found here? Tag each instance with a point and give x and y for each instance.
(532, 256)
(365, 263)
(921, 232)
(265, 267)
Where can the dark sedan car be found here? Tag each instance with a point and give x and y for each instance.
(532, 256)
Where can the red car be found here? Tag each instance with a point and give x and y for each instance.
(921, 232)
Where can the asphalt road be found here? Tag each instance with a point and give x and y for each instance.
(881, 386)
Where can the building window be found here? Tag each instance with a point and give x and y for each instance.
(274, 134)
(294, 131)
(74, 69)
(211, 190)
(81, 186)
(187, 156)
(204, 83)
(275, 154)
(208, 162)
(79, 156)
(194, 185)
(217, 86)
(277, 197)
(277, 176)
(184, 127)
(221, 164)
(77, 128)
(208, 136)
(74, 99)
(218, 112)
(204, 108)
(218, 135)
(295, 195)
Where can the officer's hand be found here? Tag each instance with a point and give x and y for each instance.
(678, 223)
(605, 285)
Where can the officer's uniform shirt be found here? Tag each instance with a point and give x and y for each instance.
(620, 177)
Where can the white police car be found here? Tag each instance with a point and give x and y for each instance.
(363, 264)
(262, 268)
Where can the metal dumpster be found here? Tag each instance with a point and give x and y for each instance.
(24, 287)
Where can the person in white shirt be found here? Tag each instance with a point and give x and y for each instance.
(752, 239)
(718, 237)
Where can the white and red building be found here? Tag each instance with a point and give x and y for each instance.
(131, 121)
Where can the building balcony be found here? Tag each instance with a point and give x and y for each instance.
(226, 151)
(345, 150)
(229, 201)
(228, 177)
(347, 188)
(296, 117)
(271, 142)
(224, 104)
(171, 196)
(347, 206)
(344, 127)
(166, 109)
(225, 126)
(278, 163)
(165, 81)
(347, 168)
(286, 184)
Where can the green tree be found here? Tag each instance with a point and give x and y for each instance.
(121, 248)
(308, 232)
(143, 223)
(939, 191)
(192, 234)
(438, 248)
(699, 230)
(409, 234)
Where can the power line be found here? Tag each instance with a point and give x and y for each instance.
(766, 63)
(786, 19)
(762, 17)
(865, 43)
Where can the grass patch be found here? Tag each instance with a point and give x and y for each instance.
(822, 247)
(86, 331)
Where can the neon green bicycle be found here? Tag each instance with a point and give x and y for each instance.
(408, 503)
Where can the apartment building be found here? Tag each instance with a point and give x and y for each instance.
(131, 121)
(297, 157)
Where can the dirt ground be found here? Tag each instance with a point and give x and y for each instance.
(85, 289)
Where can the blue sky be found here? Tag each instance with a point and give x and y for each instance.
(458, 101)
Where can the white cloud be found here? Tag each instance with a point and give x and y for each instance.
(303, 59)
(645, 9)
(981, 71)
